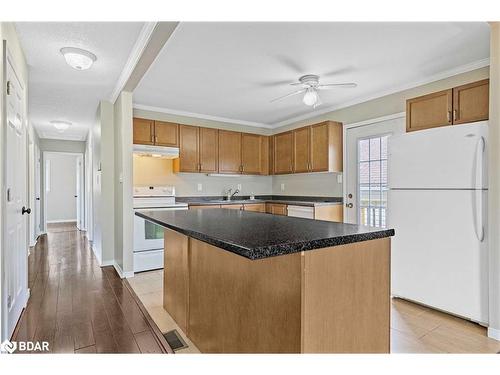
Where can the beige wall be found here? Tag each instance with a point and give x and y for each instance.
(155, 171)
(494, 183)
(124, 216)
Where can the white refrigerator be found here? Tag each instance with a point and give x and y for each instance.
(437, 204)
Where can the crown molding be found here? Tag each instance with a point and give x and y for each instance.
(200, 116)
(435, 77)
(133, 58)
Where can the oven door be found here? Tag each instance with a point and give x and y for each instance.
(147, 235)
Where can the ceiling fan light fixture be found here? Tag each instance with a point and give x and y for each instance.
(61, 125)
(310, 97)
(78, 58)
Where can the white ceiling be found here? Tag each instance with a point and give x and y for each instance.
(59, 92)
(233, 70)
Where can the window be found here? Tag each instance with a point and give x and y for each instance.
(153, 231)
(372, 177)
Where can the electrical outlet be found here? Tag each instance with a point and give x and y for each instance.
(239, 187)
(339, 179)
(200, 187)
(282, 187)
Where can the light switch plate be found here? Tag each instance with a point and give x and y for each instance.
(282, 187)
(339, 178)
(200, 187)
(239, 187)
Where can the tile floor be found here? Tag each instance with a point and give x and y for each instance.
(414, 328)
(149, 288)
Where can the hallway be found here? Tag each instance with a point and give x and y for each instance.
(79, 307)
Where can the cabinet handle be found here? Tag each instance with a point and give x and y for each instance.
(152, 138)
(448, 116)
(156, 139)
(455, 115)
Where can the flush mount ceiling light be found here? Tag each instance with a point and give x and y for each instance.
(61, 125)
(310, 87)
(78, 58)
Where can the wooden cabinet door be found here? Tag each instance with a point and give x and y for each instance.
(276, 209)
(471, 102)
(301, 149)
(203, 207)
(166, 134)
(209, 150)
(320, 147)
(229, 151)
(429, 111)
(232, 206)
(256, 207)
(250, 153)
(143, 132)
(271, 155)
(188, 148)
(283, 153)
(264, 155)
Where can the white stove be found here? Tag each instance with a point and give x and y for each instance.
(148, 237)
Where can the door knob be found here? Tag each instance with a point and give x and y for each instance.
(349, 205)
(37, 198)
(25, 210)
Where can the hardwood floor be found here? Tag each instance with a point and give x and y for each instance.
(79, 307)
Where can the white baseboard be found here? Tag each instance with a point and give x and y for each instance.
(494, 333)
(107, 263)
(123, 275)
(61, 221)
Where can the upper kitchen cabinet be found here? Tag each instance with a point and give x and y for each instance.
(459, 105)
(471, 102)
(188, 149)
(166, 134)
(229, 152)
(301, 149)
(429, 111)
(143, 132)
(326, 147)
(209, 150)
(158, 133)
(283, 153)
(251, 150)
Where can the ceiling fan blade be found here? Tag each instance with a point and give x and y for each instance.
(288, 95)
(330, 86)
(296, 84)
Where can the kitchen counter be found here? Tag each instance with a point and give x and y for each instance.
(249, 282)
(282, 199)
(257, 235)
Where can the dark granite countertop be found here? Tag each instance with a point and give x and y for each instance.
(283, 199)
(256, 235)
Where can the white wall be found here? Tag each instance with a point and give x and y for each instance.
(60, 199)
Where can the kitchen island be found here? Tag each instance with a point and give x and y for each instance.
(247, 282)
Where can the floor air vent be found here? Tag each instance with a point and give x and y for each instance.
(175, 340)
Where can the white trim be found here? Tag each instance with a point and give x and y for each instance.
(123, 275)
(374, 120)
(344, 136)
(61, 221)
(433, 78)
(107, 263)
(200, 116)
(494, 333)
(137, 50)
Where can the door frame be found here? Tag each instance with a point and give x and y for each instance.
(43, 178)
(344, 147)
(7, 59)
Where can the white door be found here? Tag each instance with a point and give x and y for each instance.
(31, 190)
(80, 211)
(16, 223)
(37, 214)
(366, 170)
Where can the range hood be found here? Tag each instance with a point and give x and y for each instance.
(156, 151)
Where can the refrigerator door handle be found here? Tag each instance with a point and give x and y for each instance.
(479, 230)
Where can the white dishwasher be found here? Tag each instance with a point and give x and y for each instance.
(301, 211)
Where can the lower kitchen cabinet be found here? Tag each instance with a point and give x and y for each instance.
(203, 206)
(257, 207)
(276, 209)
(232, 206)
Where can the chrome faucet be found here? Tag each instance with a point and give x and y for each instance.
(230, 195)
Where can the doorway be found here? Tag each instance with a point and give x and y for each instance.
(63, 191)
(365, 160)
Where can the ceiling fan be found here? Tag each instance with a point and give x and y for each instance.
(310, 87)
